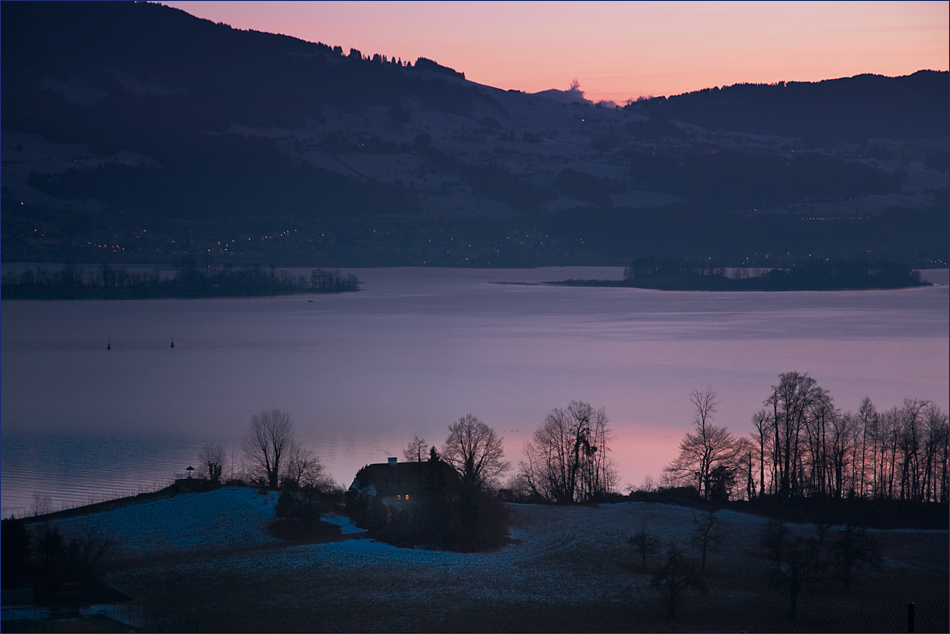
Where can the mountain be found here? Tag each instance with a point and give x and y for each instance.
(134, 132)
(851, 109)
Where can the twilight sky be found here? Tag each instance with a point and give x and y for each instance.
(620, 50)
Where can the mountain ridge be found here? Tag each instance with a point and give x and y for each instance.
(156, 133)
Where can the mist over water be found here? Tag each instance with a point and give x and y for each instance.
(361, 373)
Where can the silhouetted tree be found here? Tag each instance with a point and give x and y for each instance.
(790, 401)
(722, 479)
(269, 439)
(801, 565)
(867, 414)
(83, 559)
(644, 543)
(773, 538)
(416, 450)
(805, 447)
(42, 503)
(762, 441)
(304, 469)
(705, 449)
(853, 548)
(212, 460)
(675, 576)
(567, 458)
(707, 534)
(476, 452)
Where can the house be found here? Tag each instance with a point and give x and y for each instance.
(400, 484)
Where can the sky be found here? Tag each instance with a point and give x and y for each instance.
(620, 50)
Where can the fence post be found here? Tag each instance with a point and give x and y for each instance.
(910, 617)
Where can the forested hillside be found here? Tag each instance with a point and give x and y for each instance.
(134, 132)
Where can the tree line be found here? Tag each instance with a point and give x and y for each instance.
(803, 446)
(190, 280)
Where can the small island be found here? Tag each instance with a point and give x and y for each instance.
(189, 281)
(669, 274)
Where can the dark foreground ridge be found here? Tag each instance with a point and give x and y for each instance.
(677, 275)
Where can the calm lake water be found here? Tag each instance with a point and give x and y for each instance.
(361, 373)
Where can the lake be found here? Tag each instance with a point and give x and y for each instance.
(362, 373)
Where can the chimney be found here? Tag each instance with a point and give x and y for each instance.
(392, 461)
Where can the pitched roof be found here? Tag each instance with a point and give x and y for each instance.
(406, 478)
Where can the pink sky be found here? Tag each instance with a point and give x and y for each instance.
(620, 50)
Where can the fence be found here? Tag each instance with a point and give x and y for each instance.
(102, 618)
(22, 512)
(929, 616)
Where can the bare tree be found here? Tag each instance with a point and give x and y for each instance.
(805, 447)
(476, 452)
(42, 503)
(645, 544)
(744, 470)
(567, 459)
(304, 469)
(212, 460)
(853, 548)
(790, 401)
(814, 458)
(868, 417)
(704, 449)
(841, 454)
(763, 442)
(707, 534)
(517, 487)
(938, 453)
(801, 566)
(649, 484)
(675, 576)
(270, 437)
(774, 537)
(416, 451)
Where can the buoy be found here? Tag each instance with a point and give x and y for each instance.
(173, 342)
(109, 345)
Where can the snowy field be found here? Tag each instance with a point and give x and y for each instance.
(210, 556)
(222, 519)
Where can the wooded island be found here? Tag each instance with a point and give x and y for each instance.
(107, 282)
(682, 275)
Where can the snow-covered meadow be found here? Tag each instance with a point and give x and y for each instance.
(226, 518)
(210, 554)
